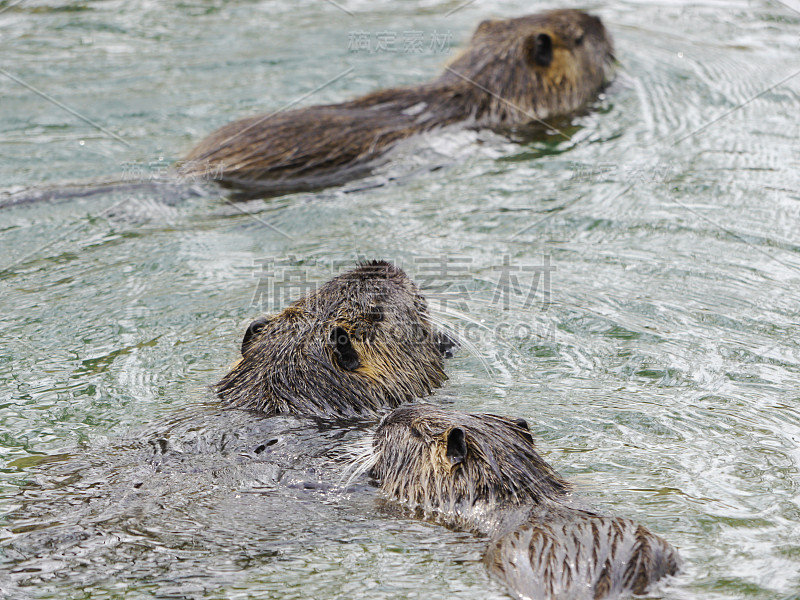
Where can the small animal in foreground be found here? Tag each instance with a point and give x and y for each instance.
(482, 472)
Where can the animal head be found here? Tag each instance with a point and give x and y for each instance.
(540, 66)
(446, 461)
(359, 344)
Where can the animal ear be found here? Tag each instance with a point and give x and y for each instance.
(344, 353)
(252, 330)
(456, 446)
(483, 27)
(525, 430)
(540, 49)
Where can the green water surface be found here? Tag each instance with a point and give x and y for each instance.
(657, 361)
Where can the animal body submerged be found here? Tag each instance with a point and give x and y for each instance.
(513, 72)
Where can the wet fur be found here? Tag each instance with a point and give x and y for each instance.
(359, 345)
(482, 472)
(499, 81)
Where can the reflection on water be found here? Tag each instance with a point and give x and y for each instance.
(658, 366)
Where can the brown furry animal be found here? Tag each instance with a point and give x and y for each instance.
(360, 344)
(482, 472)
(514, 72)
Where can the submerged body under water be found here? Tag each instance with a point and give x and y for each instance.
(629, 287)
(139, 502)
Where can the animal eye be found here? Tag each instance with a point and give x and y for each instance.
(344, 353)
(579, 39)
(540, 49)
(252, 330)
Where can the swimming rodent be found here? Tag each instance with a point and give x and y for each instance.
(512, 73)
(359, 345)
(482, 472)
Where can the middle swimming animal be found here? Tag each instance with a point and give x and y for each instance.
(359, 345)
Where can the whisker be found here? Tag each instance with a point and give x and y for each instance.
(461, 316)
(471, 348)
(438, 320)
(361, 457)
(499, 303)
